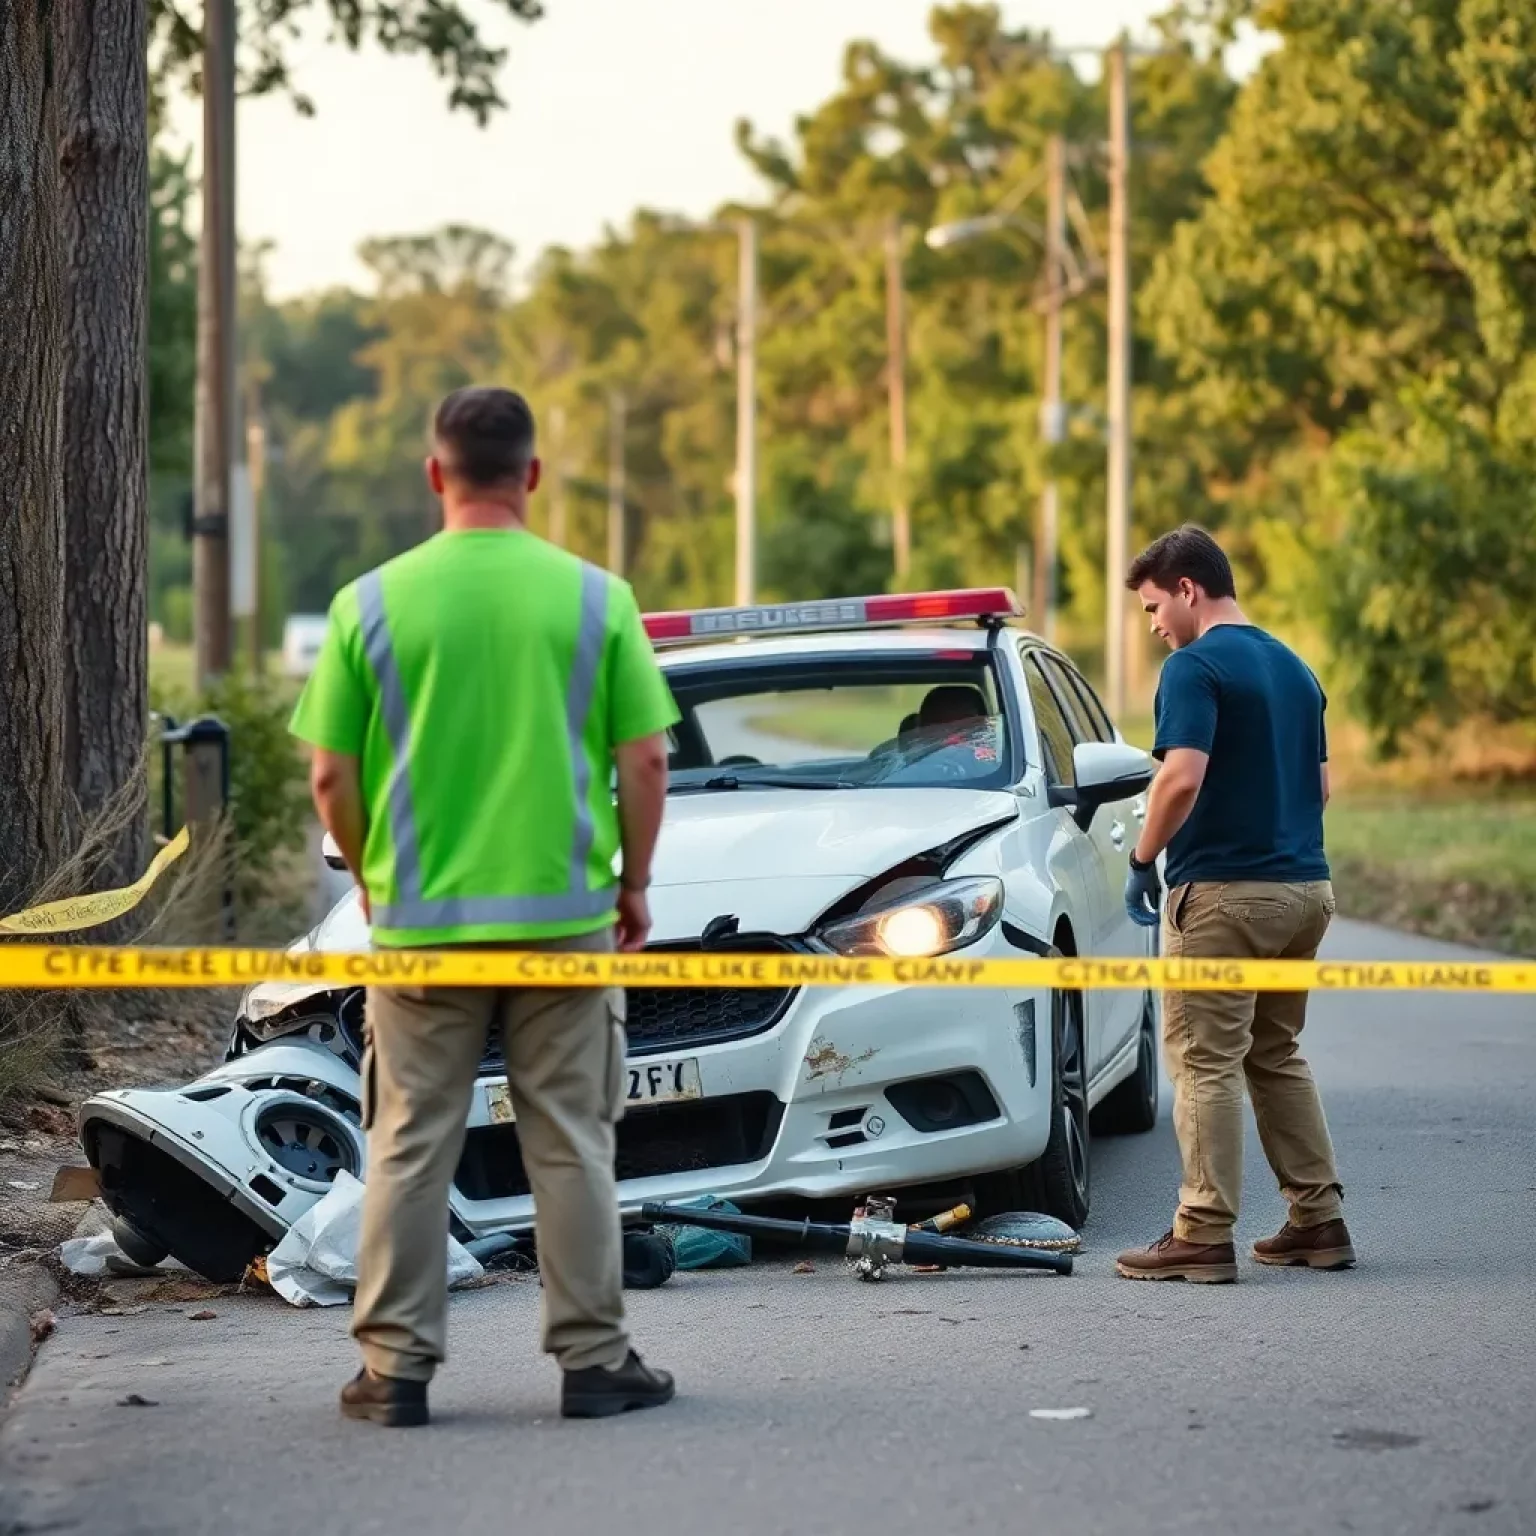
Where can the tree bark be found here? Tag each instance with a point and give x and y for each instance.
(103, 156)
(32, 821)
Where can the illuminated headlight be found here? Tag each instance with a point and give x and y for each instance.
(274, 1008)
(933, 921)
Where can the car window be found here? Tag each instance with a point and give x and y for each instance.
(1066, 696)
(1055, 735)
(1095, 708)
(909, 721)
(1088, 724)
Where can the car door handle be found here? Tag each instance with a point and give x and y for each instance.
(1117, 834)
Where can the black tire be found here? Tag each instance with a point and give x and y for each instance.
(1059, 1183)
(138, 1247)
(1131, 1109)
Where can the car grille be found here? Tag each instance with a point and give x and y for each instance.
(652, 1142)
(676, 1018)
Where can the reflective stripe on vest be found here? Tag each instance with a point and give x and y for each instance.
(412, 909)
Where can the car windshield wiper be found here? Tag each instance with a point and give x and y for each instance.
(765, 781)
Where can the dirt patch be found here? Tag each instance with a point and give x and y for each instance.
(825, 1060)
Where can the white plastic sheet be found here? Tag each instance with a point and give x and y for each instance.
(100, 1255)
(315, 1265)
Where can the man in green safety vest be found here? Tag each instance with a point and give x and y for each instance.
(468, 710)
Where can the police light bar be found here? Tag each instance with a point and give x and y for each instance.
(980, 603)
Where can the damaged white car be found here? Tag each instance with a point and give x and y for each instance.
(890, 775)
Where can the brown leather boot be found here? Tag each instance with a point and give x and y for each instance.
(385, 1400)
(1325, 1246)
(1171, 1258)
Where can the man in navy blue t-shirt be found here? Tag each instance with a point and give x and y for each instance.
(1238, 808)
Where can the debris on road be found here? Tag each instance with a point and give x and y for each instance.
(315, 1264)
(804, 1267)
(698, 1247)
(42, 1324)
(1374, 1440)
(73, 1186)
(1060, 1413)
(100, 1255)
(1024, 1229)
(134, 1400)
(205, 1315)
(873, 1240)
(650, 1259)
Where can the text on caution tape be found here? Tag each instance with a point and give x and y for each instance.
(73, 966)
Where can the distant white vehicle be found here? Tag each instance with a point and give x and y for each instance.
(303, 635)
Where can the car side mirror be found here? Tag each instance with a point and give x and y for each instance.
(1107, 772)
(331, 853)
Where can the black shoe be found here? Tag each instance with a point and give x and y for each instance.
(596, 1393)
(385, 1400)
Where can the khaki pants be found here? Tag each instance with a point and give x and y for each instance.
(1212, 1041)
(564, 1053)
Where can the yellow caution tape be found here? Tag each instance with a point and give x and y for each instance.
(73, 913)
(37, 965)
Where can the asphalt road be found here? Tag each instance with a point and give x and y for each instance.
(1396, 1398)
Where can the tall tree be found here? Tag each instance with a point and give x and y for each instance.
(1350, 321)
(31, 510)
(104, 208)
(443, 30)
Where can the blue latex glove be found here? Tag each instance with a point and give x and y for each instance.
(1143, 893)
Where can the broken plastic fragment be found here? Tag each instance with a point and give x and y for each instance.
(1061, 1413)
(315, 1264)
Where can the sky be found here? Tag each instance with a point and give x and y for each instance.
(611, 105)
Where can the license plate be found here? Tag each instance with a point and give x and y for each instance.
(648, 1082)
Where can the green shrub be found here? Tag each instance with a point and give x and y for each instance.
(269, 809)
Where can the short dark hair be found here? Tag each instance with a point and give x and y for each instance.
(485, 435)
(1186, 552)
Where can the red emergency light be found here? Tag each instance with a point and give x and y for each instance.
(979, 603)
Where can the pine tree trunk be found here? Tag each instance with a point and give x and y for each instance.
(104, 217)
(32, 823)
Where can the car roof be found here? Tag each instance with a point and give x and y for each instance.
(842, 642)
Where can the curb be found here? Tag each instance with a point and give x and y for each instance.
(24, 1289)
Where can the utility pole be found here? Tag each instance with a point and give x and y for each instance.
(1118, 507)
(617, 543)
(1052, 416)
(896, 375)
(216, 405)
(256, 455)
(746, 416)
(558, 533)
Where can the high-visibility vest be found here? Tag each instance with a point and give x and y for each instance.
(484, 679)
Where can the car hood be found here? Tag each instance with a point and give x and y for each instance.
(775, 860)
(798, 834)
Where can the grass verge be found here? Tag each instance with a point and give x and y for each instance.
(1461, 869)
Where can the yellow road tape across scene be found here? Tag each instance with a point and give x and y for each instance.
(73, 913)
(50, 966)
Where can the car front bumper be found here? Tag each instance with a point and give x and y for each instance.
(823, 1104)
(844, 1095)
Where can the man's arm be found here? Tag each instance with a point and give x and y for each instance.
(336, 786)
(1171, 799)
(642, 795)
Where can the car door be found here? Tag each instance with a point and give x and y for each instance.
(1106, 857)
(1090, 916)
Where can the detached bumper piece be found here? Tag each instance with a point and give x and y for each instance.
(162, 1207)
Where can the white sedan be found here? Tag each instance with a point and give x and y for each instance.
(891, 775)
